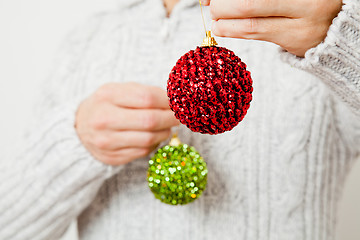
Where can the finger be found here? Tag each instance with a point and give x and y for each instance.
(115, 140)
(134, 95)
(121, 157)
(205, 2)
(121, 119)
(234, 9)
(271, 29)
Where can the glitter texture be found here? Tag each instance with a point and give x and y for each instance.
(183, 174)
(210, 90)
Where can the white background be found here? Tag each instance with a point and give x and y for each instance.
(30, 33)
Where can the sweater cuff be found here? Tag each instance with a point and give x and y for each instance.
(51, 181)
(64, 147)
(336, 60)
(76, 148)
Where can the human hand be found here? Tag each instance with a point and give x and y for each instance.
(295, 25)
(121, 122)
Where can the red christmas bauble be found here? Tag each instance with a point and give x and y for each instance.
(210, 90)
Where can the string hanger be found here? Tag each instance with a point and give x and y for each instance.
(202, 15)
(208, 41)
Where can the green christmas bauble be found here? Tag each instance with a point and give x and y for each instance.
(177, 174)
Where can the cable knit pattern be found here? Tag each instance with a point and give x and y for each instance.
(278, 175)
(336, 60)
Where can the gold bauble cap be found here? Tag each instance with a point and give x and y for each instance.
(209, 41)
(175, 141)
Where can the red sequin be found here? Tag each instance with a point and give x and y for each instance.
(210, 90)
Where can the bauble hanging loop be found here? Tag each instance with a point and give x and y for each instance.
(209, 41)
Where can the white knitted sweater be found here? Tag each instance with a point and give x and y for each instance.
(278, 175)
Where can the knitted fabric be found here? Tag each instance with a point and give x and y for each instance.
(277, 175)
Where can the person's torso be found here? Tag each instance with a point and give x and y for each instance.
(274, 176)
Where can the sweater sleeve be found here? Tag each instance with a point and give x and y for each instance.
(52, 178)
(336, 60)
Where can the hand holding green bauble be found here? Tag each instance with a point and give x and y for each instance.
(177, 173)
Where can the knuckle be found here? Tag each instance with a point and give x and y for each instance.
(103, 92)
(251, 26)
(99, 123)
(147, 98)
(149, 120)
(149, 139)
(101, 142)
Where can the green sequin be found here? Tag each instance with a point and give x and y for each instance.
(183, 174)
